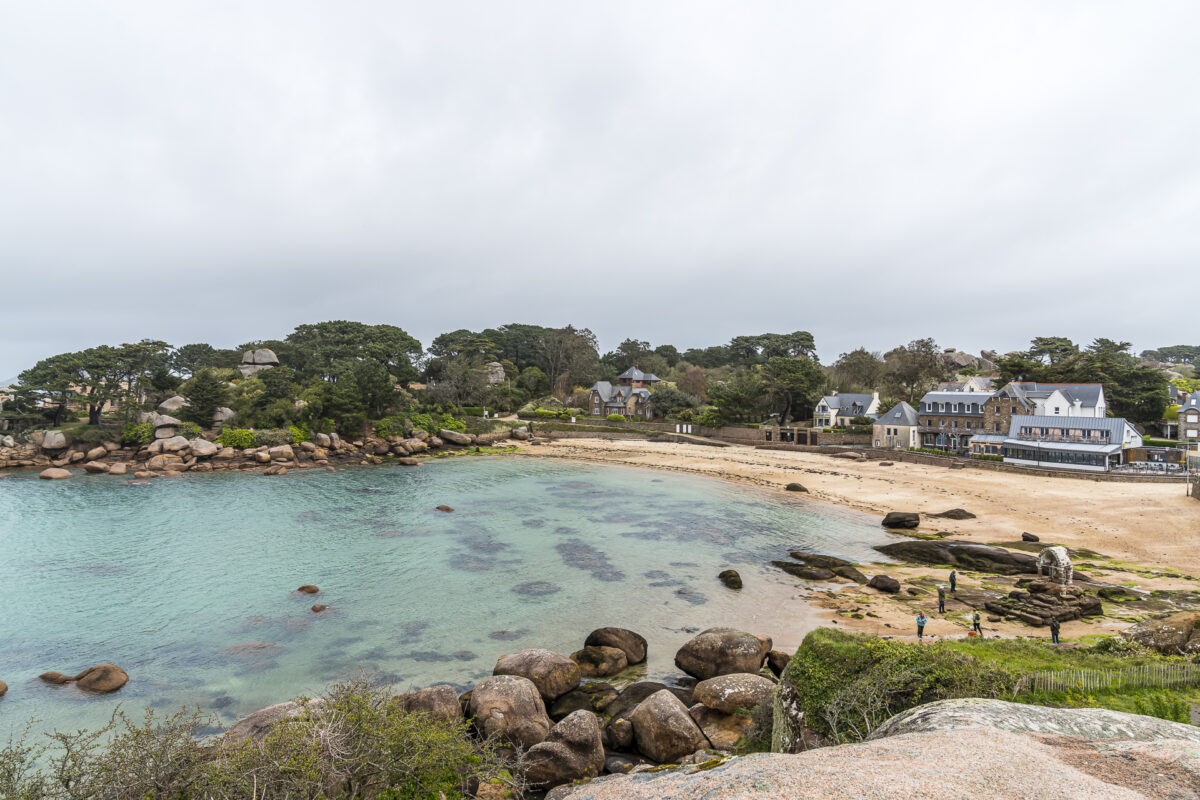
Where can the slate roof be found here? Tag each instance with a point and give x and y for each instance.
(635, 374)
(1114, 425)
(1087, 393)
(1193, 403)
(901, 414)
(608, 392)
(847, 400)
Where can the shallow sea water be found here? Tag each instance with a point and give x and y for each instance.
(189, 583)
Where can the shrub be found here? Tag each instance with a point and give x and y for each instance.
(298, 434)
(188, 429)
(240, 438)
(136, 434)
(986, 457)
(686, 415)
(710, 417)
(862, 419)
(472, 411)
(273, 437)
(359, 745)
(615, 418)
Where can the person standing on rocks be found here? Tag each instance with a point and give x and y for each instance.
(1055, 627)
(953, 581)
(921, 620)
(941, 599)
(975, 620)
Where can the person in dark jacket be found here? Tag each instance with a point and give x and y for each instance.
(953, 581)
(1055, 627)
(975, 620)
(941, 599)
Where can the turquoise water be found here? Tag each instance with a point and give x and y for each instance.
(189, 583)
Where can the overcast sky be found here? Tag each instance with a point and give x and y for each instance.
(872, 172)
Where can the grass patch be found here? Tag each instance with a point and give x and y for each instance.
(848, 684)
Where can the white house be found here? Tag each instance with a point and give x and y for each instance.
(1060, 399)
(836, 409)
(1085, 443)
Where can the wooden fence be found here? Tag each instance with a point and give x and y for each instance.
(1101, 680)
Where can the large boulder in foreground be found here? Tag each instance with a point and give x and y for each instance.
(1095, 724)
(965, 555)
(635, 693)
(720, 651)
(256, 726)
(664, 730)
(1173, 635)
(728, 693)
(884, 583)
(552, 673)
(633, 644)
(438, 701)
(573, 750)
(992, 749)
(510, 707)
(903, 520)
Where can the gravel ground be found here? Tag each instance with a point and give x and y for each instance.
(936, 765)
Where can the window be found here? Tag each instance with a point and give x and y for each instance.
(1193, 417)
(997, 409)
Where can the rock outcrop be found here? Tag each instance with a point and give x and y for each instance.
(552, 673)
(256, 726)
(664, 730)
(1041, 601)
(884, 583)
(573, 750)
(902, 520)
(730, 578)
(438, 701)
(967, 555)
(633, 644)
(720, 651)
(510, 707)
(600, 661)
(1023, 752)
(728, 693)
(1173, 634)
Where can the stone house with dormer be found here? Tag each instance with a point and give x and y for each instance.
(1189, 419)
(630, 396)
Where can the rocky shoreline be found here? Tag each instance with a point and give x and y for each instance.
(170, 454)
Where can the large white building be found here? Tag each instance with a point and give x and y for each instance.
(1093, 444)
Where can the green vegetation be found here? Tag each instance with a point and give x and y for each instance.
(136, 434)
(358, 745)
(237, 437)
(205, 393)
(615, 418)
(986, 457)
(848, 684)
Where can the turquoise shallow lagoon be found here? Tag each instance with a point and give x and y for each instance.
(189, 583)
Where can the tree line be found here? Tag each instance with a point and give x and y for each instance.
(340, 375)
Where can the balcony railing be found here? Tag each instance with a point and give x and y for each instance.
(1063, 438)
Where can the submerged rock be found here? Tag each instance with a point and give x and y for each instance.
(308, 588)
(730, 578)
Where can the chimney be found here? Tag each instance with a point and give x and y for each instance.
(875, 395)
(834, 393)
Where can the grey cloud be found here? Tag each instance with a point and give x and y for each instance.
(680, 172)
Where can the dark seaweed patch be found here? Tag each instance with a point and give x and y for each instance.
(533, 523)
(581, 555)
(536, 589)
(508, 636)
(692, 596)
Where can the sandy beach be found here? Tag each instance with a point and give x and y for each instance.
(1145, 523)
